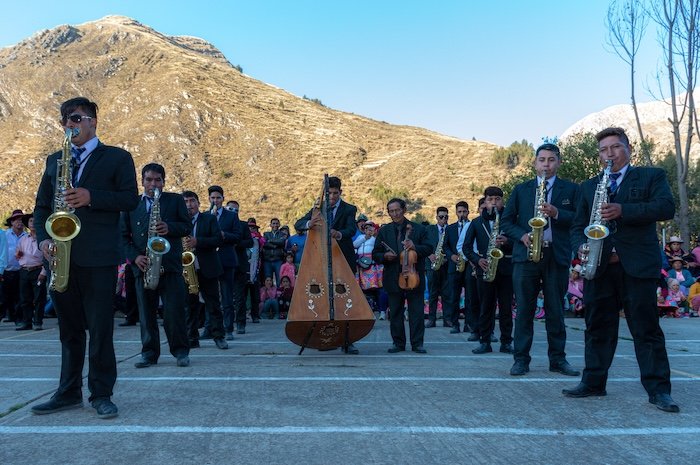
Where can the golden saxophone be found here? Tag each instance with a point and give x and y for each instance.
(156, 246)
(538, 223)
(439, 254)
(188, 271)
(62, 225)
(596, 230)
(494, 254)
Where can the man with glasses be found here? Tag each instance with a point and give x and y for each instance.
(629, 267)
(551, 272)
(438, 284)
(104, 184)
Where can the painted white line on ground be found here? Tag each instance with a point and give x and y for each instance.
(238, 341)
(336, 379)
(141, 429)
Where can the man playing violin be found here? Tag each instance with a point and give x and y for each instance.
(401, 246)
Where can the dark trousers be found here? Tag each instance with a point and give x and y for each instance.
(500, 291)
(193, 310)
(528, 279)
(87, 304)
(271, 267)
(252, 292)
(240, 279)
(416, 323)
(209, 288)
(472, 304)
(438, 286)
(458, 281)
(32, 296)
(226, 285)
(603, 298)
(171, 288)
(10, 295)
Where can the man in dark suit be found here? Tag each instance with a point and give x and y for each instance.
(273, 251)
(458, 280)
(628, 271)
(205, 238)
(104, 184)
(438, 284)
(341, 219)
(242, 271)
(173, 225)
(551, 272)
(500, 289)
(390, 241)
(230, 226)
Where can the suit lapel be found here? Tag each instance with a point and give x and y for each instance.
(623, 189)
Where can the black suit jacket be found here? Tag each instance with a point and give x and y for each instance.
(344, 222)
(433, 232)
(521, 208)
(646, 198)
(450, 246)
(480, 231)
(110, 177)
(134, 226)
(389, 234)
(208, 236)
(229, 224)
(245, 242)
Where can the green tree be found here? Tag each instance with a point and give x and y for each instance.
(513, 155)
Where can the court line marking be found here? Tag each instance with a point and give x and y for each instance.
(335, 379)
(272, 430)
(387, 343)
(327, 356)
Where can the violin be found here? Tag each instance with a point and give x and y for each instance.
(408, 278)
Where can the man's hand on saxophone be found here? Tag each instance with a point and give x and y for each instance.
(142, 262)
(77, 197)
(162, 228)
(611, 211)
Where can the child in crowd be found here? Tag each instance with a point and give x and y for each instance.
(268, 299)
(676, 294)
(667, 308)
(288, 269)
(284, 293)
(574, 294)
(540, 306)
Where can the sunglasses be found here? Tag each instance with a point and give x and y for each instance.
(442, 217)
(76, 118)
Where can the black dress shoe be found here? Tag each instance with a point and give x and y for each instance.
(447, 324)
(194, 343)
(519, 368)
(352, 350)
(240, 329)
(127, 323)
(205, 334)
(564, 368)
(396, 349)
(430, 324)
(482, 349)
(56, 405)
(664, 402)
(144, 362)
(183, 361)
(584, 390)
(221, 343)
(23, 327)
(455, 330)
(105, 408)
(419, 350)
(473, 337)
(506, 348)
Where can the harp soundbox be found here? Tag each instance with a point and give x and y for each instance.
(328, 308)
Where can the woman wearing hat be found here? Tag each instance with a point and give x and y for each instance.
(680, 273)
(32, 278)
(369, 273)
(674, 249)
(10, 281)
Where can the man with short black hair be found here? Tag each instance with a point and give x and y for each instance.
(438, 284)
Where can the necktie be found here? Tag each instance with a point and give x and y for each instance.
(331, 215)
(149, 204)
(75, 161)
(613, 181)
(460, 228)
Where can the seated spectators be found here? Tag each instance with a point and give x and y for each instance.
(673, 249)
(680, 273)
(269, 306)
(667, 308)
(676, 294)
(574, 294)
(694, 299)
(284, 296)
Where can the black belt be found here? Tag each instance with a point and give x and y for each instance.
(31, 268)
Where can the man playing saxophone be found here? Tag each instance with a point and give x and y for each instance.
(167, 214)
(629, 267)
(104, 183)
(436, 268)
(497, 288)
(557, 200)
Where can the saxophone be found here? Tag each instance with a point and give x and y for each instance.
(461, 261)
(62, 225)
(188, 271)
(494, 254)
(596, 230)
(156, 246)
(538, 223)
(439, 254)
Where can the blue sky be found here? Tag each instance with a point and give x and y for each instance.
(499, 71)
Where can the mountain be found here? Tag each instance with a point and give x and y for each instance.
(653, 115)
(178, 101)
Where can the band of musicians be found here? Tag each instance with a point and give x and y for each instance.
(197, 265)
